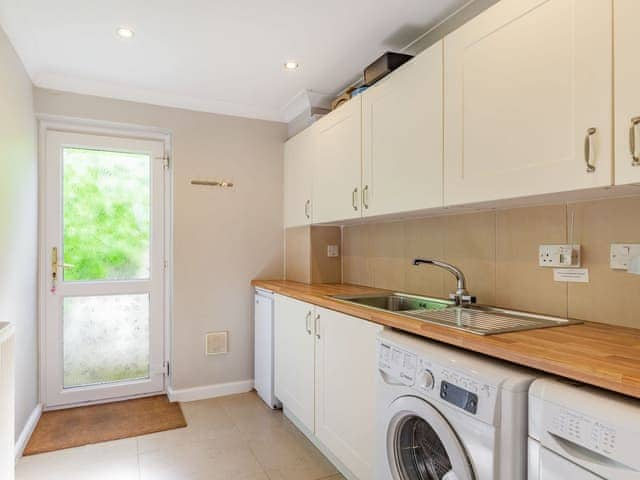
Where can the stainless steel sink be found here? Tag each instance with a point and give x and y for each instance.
(478, 319)
(396, 302)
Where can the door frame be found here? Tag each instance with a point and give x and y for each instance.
(48, 123)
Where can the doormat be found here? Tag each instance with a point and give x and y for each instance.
(74, 427)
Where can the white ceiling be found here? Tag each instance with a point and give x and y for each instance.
(223, 56)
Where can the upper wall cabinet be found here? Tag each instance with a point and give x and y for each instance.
(627, 73)
(298, 161)
(337, 164)
(528, 100)
(402, 138)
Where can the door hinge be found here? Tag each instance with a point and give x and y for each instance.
(166, 264)
(166, 369)
(165, 161)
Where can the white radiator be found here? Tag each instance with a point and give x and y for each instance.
(7, 410)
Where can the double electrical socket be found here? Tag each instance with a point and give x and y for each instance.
(559, 256)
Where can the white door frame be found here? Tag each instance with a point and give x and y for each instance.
(48, 122)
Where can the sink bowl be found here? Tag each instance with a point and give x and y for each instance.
(396, 302)
(478, 319)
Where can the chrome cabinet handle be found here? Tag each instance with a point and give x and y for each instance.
(316, 327)
(587, 149)
(307, 204)
(309, 332)
(632, 142)
(365, 197)
(354, 199)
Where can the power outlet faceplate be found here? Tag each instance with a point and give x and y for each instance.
(565, 256)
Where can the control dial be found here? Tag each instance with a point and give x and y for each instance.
(425, 380)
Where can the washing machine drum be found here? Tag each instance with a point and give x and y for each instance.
(421, 445)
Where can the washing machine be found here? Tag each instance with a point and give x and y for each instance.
(577, 432)
(448, 414)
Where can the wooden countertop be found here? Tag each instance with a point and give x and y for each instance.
(603, 355)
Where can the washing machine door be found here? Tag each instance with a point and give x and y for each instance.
(421, 445)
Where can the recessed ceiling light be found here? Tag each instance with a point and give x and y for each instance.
(291, 65)
(125, 32)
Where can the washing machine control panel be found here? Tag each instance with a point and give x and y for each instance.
(397, 363)
(459, 397)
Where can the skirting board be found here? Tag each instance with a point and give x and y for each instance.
(28, 429)
(209, 391)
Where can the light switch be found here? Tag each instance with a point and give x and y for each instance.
(622, 253)
(332, 251)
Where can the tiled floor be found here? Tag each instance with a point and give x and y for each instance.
(228, 438)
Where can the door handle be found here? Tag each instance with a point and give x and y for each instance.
(55, 264)
(365, 197)
(587, 149)
(316, 326)
(354, 198)
(309, 332)
(632, 142)
(307, 204)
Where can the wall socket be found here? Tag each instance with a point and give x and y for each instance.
(562, 256)
(332, 251)
(622, 253)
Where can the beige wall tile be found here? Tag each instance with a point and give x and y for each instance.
(424, 238)
(520, 282)
(612, 296)
(325, 269)
(355, 250)
(298, 254)
(386, 260)
(470, 244)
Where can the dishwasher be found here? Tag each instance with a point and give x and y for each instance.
(264, 352)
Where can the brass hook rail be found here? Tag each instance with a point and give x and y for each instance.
(212, 183)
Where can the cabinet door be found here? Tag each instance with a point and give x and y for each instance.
(295, 358)
(525, 82)
(337, 164)
(345, 389)
(402, 138)
(627, 106)
(298, 152)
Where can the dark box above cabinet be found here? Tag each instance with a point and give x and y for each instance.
(383, 66)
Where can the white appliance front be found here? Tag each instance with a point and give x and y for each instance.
(446, 414)
(263, 357)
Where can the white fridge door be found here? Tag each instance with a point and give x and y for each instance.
(263, 360)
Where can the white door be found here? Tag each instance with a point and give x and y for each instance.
(104, 312)
(627, 105)
(346, 369)
(337, 173)
(298, 175)
(528, 100)
(295, 358)
(402, 138)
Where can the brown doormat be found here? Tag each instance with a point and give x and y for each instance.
(78, 426)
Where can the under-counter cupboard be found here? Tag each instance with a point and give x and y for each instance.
(517, 102)
(325, 377)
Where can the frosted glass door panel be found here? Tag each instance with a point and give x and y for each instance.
(106, 339)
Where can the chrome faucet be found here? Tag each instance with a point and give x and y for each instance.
(461, 297)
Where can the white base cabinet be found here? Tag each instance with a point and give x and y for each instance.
(325, 377)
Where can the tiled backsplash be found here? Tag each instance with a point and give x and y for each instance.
(498, 252)
(306, 257)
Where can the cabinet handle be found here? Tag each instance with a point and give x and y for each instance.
(587, 149)
(316, 327)
(632, 142)
(309, 332)
(354, 198)
(365, 197)
(306, 208)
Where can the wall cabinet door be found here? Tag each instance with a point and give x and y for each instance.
(298, 177)
(525, 82)
(295, 358)
(337, 164)
(345, 389)
(627, 87)
(402, 138)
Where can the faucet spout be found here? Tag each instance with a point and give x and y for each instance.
(461, 297)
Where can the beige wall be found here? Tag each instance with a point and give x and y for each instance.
(18, 224)
(498, 253)
(223, 238)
